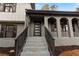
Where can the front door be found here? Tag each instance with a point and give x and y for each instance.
(37, 28)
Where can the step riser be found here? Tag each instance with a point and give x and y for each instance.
(31, 50)
(35, 45)
(41, 43)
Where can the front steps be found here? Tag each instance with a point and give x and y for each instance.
(35, 46)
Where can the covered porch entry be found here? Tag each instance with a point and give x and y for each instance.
(36, 26)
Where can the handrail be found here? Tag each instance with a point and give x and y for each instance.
(20, 41)
(50, 41)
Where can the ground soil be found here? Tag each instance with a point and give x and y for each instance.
(4, 53)
(70, 53)
(67, 50)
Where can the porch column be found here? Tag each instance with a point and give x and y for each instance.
(46, 22)
(70, 28)
(78, 24)
(58, 27)
(27, 21)
(78, 27)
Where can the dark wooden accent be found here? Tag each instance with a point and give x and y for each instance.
(20, 41)
(51, 42)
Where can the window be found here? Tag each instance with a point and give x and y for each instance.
(64, 27)
(8, 7)
(8, 31)
(1, 7)
(53, 26)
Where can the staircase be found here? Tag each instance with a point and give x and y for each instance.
(35, 46)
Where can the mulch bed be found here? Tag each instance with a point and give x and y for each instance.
(6, 53)
(74, 52)
(60, 49)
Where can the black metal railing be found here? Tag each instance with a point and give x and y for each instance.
(50, 41)
(20, 41)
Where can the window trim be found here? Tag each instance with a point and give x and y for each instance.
(10, 7)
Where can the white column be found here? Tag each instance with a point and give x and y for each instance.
(70, 28)
(27, 20)
(27, 24)
(0, 27)
(78, 27)
(46, 22)
(58, 27)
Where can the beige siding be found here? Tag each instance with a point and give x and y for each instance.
(7, 42)
(20, 28)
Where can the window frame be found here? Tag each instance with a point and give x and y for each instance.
(4, 30)
(10, 6)
(54, 27)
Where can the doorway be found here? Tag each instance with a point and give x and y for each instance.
(36, 26)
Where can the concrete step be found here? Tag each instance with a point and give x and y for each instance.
(35, 38)
(36, 53)
(40, 47)
(35, 46)
(40, 41)
(35, 49)
(32, 43)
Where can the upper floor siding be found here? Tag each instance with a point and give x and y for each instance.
(18, 15)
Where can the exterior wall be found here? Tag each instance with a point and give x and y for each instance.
(65, 41)
(19, 15)
(7, 42)
(20, 27)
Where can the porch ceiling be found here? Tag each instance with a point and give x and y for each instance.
(46, 12)
(37, 18)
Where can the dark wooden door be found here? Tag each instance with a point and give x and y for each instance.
(37, 28)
